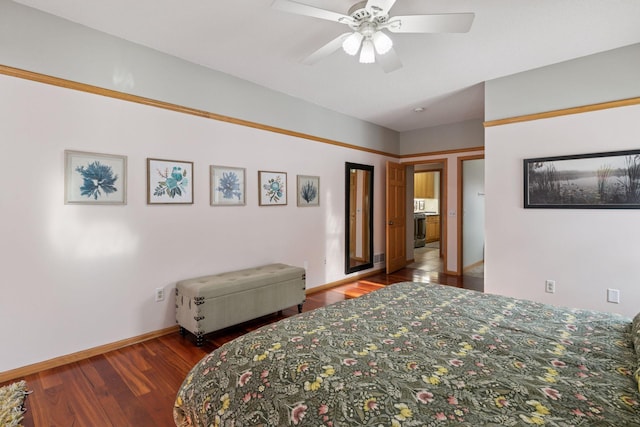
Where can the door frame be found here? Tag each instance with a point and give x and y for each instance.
(461, 207)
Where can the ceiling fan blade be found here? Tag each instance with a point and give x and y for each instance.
(437, 23)
(326, 50)
(389, 61)
(306, 10)
(381, 7)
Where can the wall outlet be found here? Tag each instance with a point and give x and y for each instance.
(159, 294)
(550, 286)
(613, 295)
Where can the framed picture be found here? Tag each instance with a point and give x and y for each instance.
(93, 178)
(227, 186)
(272, 188)
(169, 182)
(308, 190)
(586, 181)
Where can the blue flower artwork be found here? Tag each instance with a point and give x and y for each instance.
(273, 189)
(94, 178)
(175, 182)
(98, 180)
(229, 186)
(169, 181)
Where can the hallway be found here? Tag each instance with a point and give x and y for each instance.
(427, 258)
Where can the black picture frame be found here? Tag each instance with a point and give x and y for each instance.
(607, 180)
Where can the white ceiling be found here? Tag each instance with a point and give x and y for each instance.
(444, 73)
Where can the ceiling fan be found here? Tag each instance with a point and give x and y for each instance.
(367, 20)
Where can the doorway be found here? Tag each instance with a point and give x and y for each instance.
(428, 199)
(471, 222)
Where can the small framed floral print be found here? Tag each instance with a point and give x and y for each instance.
(272, 188)
(227, 186)
(308, 190)
(93, 178)
(169, 182)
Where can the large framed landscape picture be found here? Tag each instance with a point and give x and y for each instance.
(608, 180)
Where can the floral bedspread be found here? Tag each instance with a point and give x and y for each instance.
(416, 354)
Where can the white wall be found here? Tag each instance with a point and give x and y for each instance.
(463, 135)
(586, 251)
(76, 277)
(602, 77)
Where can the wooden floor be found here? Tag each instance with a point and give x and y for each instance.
(137, 385)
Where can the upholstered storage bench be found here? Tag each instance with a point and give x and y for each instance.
(206, 304)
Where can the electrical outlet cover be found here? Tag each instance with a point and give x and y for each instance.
(550, 286)
(613, 295)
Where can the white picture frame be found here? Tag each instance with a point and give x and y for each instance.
(95, 178)
(308, 191)
(227, 185)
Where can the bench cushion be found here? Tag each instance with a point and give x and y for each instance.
(238, 281)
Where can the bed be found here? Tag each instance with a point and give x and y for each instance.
(417, 354)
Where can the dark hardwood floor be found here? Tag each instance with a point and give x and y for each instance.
(137, 385)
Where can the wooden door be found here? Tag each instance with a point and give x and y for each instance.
(396, 228)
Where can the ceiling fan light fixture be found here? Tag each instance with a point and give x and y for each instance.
(351, 45)
(382, 42)
(367, 53)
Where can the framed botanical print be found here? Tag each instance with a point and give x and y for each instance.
(308, 190)
(272, 188)
(227, 186)
(169, 182)
(93, 178)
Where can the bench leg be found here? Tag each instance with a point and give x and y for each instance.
(300, 308)
(183, 331)
(199, 340)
